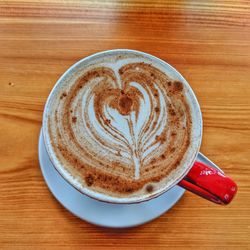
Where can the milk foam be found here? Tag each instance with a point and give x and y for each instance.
(119, 144)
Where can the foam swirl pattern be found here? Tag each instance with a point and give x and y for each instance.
(121, 127)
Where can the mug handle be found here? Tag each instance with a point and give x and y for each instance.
(209, 183)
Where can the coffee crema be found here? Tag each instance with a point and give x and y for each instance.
(120, 127)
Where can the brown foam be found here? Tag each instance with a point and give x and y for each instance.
(111, 176)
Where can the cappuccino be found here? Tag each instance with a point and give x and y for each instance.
(121, 126)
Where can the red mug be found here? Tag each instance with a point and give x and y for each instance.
(209, 182)
(205, 180)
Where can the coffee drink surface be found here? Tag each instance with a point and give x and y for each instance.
(120, 125)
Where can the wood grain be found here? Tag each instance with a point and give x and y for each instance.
(207, 41)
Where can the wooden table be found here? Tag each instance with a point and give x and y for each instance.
(208, 42)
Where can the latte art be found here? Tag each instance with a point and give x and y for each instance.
(121, 127)
(119, 118)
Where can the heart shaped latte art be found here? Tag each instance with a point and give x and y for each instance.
(118, 128)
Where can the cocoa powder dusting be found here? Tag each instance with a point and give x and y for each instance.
(178, 86)
(173, 134)
(125, 105)
(117, 177)
(161, 138)
(163, 156)
(89, 180)
(149, 188)
(172, 150)
(74, 118)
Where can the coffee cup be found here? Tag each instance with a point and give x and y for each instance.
(123, 126)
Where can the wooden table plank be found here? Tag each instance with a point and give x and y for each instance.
(208, 42)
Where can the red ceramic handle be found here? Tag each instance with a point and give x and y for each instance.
(209, 183)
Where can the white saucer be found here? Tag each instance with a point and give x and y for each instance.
(100, 213)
